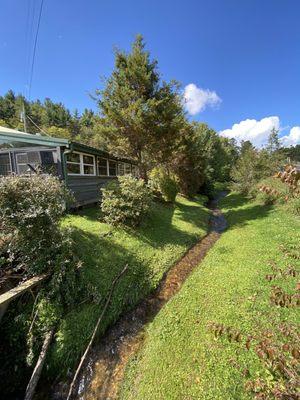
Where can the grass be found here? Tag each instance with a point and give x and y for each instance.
(180, 358)
(149, 251)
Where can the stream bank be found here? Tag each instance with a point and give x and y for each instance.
(102, 375)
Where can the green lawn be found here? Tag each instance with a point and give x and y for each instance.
(149, 251)
(180, 358)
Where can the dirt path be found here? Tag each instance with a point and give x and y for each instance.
(102, 376)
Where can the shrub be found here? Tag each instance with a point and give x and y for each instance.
(30, 210)
(293, 205)
(163, 184)
(126, 201)
(267, 198)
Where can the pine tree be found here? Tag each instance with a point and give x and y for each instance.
(273, 141)
(142, 115)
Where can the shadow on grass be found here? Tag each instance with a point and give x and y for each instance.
(234, 200)
(241, 217)
(159, 230)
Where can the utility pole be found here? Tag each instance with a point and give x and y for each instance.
(23, 117)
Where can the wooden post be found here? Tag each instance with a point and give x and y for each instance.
(11, 294)
(38, 367)
(95, 331)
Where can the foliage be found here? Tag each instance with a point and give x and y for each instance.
(126, 201)
(163, 184)
(180, 358)
(53, 118)
(202, 158)
(273, 144)
(284, 186)
(30, 213)
(252, 166)
(142, 115)
(293, 205)
(33, 243)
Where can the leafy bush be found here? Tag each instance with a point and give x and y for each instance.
(267, 198)
(164, 184)
(30, 210)
(125, 201)
(293, 205)
(282, 188)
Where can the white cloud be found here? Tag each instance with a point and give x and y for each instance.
(251, 129)
(292, 138)
(197, 99)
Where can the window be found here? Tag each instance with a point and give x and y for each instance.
(88, 164)
(127, 169)
(102, 166)
(121, 168)
(5, 167)
(112, 168)
(80, 164)
(29, 162)
(135, 171)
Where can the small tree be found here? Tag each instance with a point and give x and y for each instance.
(273, 141)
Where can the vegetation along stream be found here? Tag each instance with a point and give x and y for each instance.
(103, 374)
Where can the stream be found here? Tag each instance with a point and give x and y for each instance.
(102, 375)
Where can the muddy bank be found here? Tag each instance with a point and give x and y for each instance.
(103, 374)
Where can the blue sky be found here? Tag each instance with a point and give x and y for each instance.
(240, 58)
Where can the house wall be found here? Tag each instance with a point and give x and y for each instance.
(86, 189)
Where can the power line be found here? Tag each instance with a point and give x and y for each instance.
(34, 48)
(36, 125)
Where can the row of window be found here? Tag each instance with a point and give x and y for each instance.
(86, 164)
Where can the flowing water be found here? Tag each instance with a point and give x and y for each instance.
(102, 376)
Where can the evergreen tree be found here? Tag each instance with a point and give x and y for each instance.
(143, 116)
(273, 141)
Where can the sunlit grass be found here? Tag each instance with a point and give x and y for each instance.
(180, 358)
(149, 251)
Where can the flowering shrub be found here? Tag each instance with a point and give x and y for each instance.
(125, 201)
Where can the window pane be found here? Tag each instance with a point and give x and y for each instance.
(73, 157)
(4, 164)
(121, 168)
(102, 166)
(134, 170)
(112, 168)
(73, 168)
(127, 169)
(88, 170)
(102, 170)
(33, 157)
(88, 160)
(22, 158)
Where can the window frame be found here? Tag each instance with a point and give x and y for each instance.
(18, 164)
(118, 171)
(9, 170)
(81, 164)
(107, 166)
(127, 165)
(116, 167)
